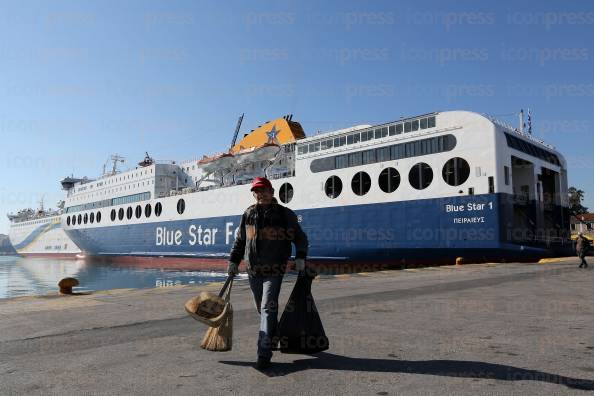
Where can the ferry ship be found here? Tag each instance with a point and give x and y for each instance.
(428, 188)
(39, 233)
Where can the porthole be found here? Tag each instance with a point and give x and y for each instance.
(129, 212)
(389, 180)
(147, 210)
(181, 206)
(98, 217)
(158, 209)
(361, 183)
(92, 217)
(121, 214)
(456, 171)
(420, 176)
(113, 215)
(285, 193)
(138, 211)
(68, 220)
(79, 219)
(74, 220)
(333, 187)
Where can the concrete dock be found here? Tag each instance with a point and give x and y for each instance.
(471, 329)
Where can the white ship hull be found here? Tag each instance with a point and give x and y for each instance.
(43, 237)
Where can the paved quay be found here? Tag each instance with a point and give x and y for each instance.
(509, 329)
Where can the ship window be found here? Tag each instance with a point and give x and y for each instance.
(158, 209)
(368, 157)
(285, 193)
(350, 139)
(98, 217)
(355, 159)
(456, 171)
(129, 212)
(74, 220)
(333, 187)
(384, 131)
(326, 144)
(364, 136)
(92, 217)
(491, 185)
(121, 214)
(313, 147)
(361, 183)
(383, 154)
(420, 176)
(147, 210)
(68, 220)
(398, 129)
(378, 133)
(79, 219)
(113, 215)
(431, 122)
(138, 211)
(506, 175)
(342, 161)
(407, 126)
(392, 130)
(415, 125)
(423, 123)
(302, 149)
(356, 137)
(389, 180)
(181, 206)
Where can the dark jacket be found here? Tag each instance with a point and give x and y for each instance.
(581, 244)
(264, 239)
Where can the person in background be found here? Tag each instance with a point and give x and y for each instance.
(581, 248)
(263, 241)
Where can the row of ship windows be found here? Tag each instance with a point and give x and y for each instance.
(417, 148)
(110, 202)
(531, 149)
(32, 222)
(113, 180)
(98, 193)
(454, 172)
(120, 214)
(377, 133)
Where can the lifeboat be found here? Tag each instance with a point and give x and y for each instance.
(264, 152)
(216, 162)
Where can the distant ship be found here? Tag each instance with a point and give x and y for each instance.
(39, 233)
(428, 188)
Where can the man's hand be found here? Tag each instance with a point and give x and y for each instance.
(232, 269)
(300, 264)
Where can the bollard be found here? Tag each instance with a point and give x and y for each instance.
(67, 284)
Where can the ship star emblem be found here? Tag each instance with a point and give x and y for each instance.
(272, 135)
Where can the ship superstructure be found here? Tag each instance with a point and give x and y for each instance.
(438, 185)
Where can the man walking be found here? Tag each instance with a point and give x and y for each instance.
(581, 248)
(264, 239)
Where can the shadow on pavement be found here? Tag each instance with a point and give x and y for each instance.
(446, 368)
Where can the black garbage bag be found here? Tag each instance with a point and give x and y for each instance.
(300, 329)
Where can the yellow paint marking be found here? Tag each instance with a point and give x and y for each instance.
(549, 260)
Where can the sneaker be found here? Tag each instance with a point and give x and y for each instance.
(263, 363)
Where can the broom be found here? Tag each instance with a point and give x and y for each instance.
(220, 338)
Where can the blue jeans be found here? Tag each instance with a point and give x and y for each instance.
(266, 290)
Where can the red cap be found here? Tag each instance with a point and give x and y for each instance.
(261, 182)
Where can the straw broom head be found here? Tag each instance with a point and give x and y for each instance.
(220, 339)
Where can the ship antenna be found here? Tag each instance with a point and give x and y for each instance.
(237, 127)
(529, 121)
(521, 120)
(116, 158)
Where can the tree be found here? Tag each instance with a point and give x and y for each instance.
(575, 201)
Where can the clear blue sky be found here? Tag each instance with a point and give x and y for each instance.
(80, 80)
